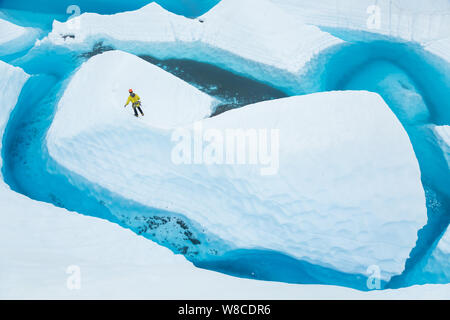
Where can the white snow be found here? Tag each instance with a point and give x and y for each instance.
(440, 47)
(425, 22)
(438, 263)
(414, 20)
(444, 245)
(10, 31)
(105, 91)
(272, 46)
(11, 81)
(14, 38)
(347, 193)
(41, 243)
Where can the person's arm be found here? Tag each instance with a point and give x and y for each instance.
(138, 97)
(128, 101)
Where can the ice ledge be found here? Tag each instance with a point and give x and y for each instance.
(230, 36)
(15, 38)
(12, 79)
(315, 208)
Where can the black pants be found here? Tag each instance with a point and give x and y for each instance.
(136, 108)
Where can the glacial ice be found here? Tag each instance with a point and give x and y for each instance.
(443, 135)
(11, 81)
(173, 100)
(52, 240)
(312, 208)
(440, 48)
(412, 20)
(113, 261)
(401, 92)
(15, 38)
(228, 36)
(41, 222)
(439, 262)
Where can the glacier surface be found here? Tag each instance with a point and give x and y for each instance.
(411, 20)
(14, 38)
(52, 239)
(438, 264)
(292, 211)
(11, 82)
(230, 37)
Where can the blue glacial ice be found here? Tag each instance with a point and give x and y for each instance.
(413, 82)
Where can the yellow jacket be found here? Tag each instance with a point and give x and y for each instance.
(132, 99)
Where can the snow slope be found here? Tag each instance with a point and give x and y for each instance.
(425, 22)
(229, 35)
(15, 38)
(41, 243)
(173, 100)
(313, 207)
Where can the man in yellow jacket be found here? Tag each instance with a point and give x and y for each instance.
(135, 102)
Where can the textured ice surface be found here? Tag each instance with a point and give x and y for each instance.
(52, 239)
(440, 47)
(444, 248)
(35, 222)
(44, 241)
(229, 35)
(437, 267)
(313, 208)
(14, 38)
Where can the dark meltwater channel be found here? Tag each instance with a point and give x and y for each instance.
(40, 14)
